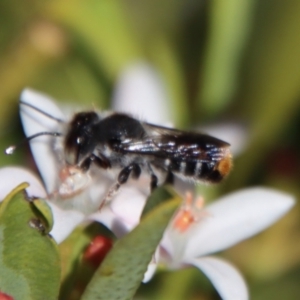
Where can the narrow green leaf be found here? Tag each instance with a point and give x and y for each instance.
(104, 27)
(160, 195)
(272, 86)
(122, 271)
(230, 23)
(29, 260)
(165, 59)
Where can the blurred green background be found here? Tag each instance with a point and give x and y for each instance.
(234, 60)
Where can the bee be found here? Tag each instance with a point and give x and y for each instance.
(120, 141)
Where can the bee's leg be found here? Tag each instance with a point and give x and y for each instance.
(136, 172)
(169, 178)
(101, 162)
(133, 169)
(153, 182)
(153, 179)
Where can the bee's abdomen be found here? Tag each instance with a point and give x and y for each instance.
(212, 172)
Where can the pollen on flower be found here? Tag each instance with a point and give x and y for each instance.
(73, 181)
(188, 214)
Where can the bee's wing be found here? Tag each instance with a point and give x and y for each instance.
(152, 129)
(163, 142)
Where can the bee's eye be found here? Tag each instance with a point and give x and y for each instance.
(80, 140)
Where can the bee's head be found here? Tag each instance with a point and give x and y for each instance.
(80, 139)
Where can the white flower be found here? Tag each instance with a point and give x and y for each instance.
(141, 93)
(196, 232)
(221, 225)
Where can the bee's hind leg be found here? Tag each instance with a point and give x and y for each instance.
(169, 178)
(153, 179)
(132, 169)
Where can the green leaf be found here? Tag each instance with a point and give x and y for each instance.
(104, 27)
(230, 23)
(122, 271)
(160, 195)
(272, 86)
(29, 260)
(44, 211)
(165, 59)
(74, 79)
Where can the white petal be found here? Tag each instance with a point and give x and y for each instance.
(141, 93)
(98, 190)
(150, 272)
(108, 218)
(10, 177)
(122, 214)
(152, 266)
(236, 217)
(234, 134)
(226, 279)
(34, 122)
(128, 205)
(65, 222)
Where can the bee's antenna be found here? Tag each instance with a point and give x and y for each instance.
(42, 112)
(10, 150)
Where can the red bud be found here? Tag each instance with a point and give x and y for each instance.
(97, 250)
(4, 296)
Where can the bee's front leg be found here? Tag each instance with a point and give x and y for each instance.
(100, 161)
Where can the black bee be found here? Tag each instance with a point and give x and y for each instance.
(121, 141)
